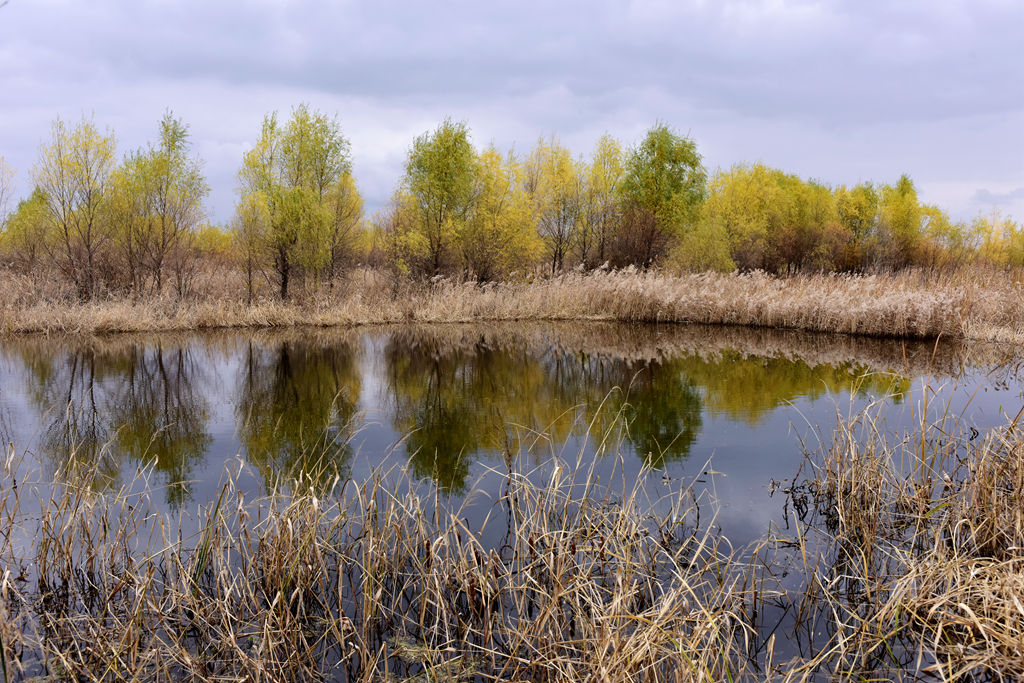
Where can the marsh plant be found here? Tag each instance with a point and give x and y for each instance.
(903, 559)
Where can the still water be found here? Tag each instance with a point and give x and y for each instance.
(732, 409)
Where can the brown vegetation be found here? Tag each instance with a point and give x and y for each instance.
(922, 564)
(976, 305)
(913, 568)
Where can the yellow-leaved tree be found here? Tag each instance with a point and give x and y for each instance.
(154, 208)
(498, 236)
(301, 174)
(750, 206)
(552, 180)
(600, 218)
(900, 223)
(74, 172)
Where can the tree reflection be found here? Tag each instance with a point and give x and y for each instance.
(454, 404)
(748, 388)
(662, 409)
(458, 403)
(66, 390)
(297, 409)
(106, 404)
(458, 397)
(162, 415)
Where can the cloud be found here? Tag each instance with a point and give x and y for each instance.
(987, 197)
(833, 89)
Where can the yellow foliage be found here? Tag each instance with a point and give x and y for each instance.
(215, 241)
(498, 236)
(553, 181)
(1001, 240)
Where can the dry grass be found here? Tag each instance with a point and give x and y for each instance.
(977, 305)
(920, 564)
(379, 581)
(910, 559)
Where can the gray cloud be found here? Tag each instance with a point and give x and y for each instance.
(983, 196)
(841, 91)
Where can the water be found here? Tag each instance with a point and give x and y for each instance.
(169, 416)
(733, 409)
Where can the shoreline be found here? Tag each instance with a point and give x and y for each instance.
(986, 308)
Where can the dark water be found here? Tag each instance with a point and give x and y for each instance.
(169, 417)
(724, 406)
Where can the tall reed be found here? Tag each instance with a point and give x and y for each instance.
(370, 581)
(972, 304)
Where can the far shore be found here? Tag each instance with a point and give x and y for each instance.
(975, 306)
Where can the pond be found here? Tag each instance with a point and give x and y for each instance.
(732, 409)
(443, 418)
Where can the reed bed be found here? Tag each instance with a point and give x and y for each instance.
(908, 559)
(380, 581)
(918, 566)
(974, 304)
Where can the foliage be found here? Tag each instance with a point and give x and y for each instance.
(155, 207)
(663, 189)
(1001, 240)
(705, 248)
(301, 174)
(555, 187)
(900, 222)
(498, 237)
(136, 227)
(74, 172)
(439, 181)
(26, 237)
(600, 215)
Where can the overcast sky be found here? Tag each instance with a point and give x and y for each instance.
(838, 91)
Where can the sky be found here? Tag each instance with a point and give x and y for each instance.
(839, 91)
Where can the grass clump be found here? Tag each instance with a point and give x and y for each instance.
(919, 553)
(563, 579)
(971, 304)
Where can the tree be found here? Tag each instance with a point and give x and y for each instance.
(25, 235)
(857, 209)
(704, 248)
(945, 243)
(662, 190)
(498, 235)
(251, 229)
(599, 215)
(900, 221)
(74, 172)
(176, 189)
(302, 174)
(345, 207)
(298, 226)
(748, 203)
(1000, 240)
(553, 181)
(807, 237)
(439, 177)
(154, 208)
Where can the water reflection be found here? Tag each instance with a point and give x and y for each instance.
(296, 407)
(452, 396)
(101, 404)
(748, 388)
(463, 393)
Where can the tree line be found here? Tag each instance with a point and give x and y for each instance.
(136, 225)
